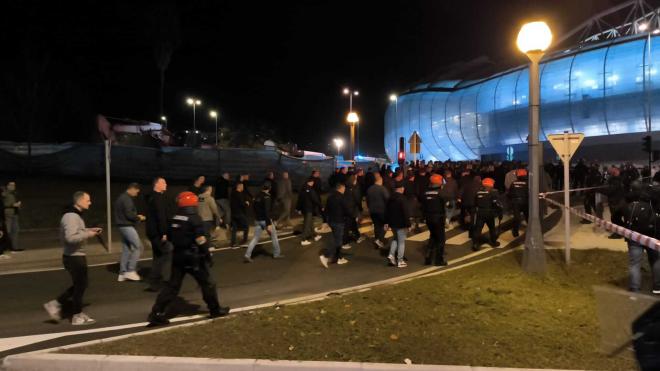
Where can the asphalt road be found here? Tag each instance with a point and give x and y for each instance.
(25, 325)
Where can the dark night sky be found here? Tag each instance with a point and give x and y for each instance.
(277, 63)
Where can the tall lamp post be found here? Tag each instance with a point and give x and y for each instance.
(534, 39)
(338, 143)
(351, 93)
(353, 119)
(394, 98)
(194, 102)
(214, 115)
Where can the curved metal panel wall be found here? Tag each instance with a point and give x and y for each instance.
(608, 90)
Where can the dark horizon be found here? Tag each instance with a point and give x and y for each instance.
(261, 65)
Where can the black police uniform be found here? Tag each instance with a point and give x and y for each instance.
(518, 194)
(486, 208)
(433, 206)
(188, 257)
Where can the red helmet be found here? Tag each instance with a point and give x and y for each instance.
(436, 179)
(185, 199)
(488, 182)
(521, 172)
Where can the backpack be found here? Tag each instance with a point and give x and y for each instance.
(642, 218)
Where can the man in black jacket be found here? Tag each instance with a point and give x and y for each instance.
(615, 193)
(240, 202)
(487, 206)
(397, 218)
(126, 217)
(433, 205)
(157, 215)
(222, 188)
(309, 205)
(263, 205)
(336, 212)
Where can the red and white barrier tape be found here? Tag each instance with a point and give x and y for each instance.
(570, 190)
(639, 238)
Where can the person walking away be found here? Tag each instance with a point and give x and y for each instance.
(73, 234)
(639, 215)
(412, 196)
(397, 217)
(487, 207)
(351, 229)
(263, 205)
(518, 195)
(222, 198)
(284, 198)
(240, 202)
(161, 248)
(593, 179)
(191, 256)
(336, 211)
(615, 193)
(198, 182)
(126, 217)
(433, 206)
(451, 192)
(209, 213)
(377, 196)
(469, 186)
(12, 206)
(309, 205)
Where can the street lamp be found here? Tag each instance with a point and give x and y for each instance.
(338, 143)
(533, 40)
(163, 120)
(351, 93)
(214, 115)
(353, 119)
(194, 102)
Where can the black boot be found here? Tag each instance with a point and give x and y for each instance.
(157, 319)
(220, 312)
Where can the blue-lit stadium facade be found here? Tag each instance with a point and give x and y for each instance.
(607, 89)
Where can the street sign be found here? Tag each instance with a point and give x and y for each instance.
(414, 142)
(566, 144)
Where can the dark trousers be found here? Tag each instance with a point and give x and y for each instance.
(77, 268)
(351, 231)
(308, 226)
(467, 216)
(379, 222)
(519, 209)
(334, 251)
(201, 274)
(239, 223)
(479, 221)
(436, 246)
(616, 212)
(162, 261)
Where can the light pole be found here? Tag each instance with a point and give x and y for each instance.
(194, 102)
(350, 93)
(338, 143)
(163, 120)
(214, 115)
(533, 40)
(353, 119)
(394, 98)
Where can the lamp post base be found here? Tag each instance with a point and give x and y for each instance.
(534, 253)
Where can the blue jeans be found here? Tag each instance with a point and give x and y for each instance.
(398, 244)
(131, 248)
(635, 256)
(260, 226)
(334, 251)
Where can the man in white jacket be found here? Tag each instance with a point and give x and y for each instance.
(73, 234)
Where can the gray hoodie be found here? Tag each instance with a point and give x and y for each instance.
(73, 233)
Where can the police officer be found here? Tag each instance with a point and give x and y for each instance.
(593, 179)
(433, 206)
(486, 208)
(518, 194)
(191, 255)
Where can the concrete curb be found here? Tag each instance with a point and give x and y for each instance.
(70, 362)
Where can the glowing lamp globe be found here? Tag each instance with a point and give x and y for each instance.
(534, 37)
(352, 118)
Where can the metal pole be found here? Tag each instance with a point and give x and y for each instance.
(108, 206)
(567, 202)
(194, 126)
(534, 253)
(352, 140)
(216, 131)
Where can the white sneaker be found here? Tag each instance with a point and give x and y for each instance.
(655, 292)
(346, 247)
(379, 243)
(305, 242)
(391, 259)
(317, 237)
(341, 261)
(82, 319)
(324, 261)
(402, 264)
(121, 278)
(132, 276)
(360, 239)
(54, 310)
